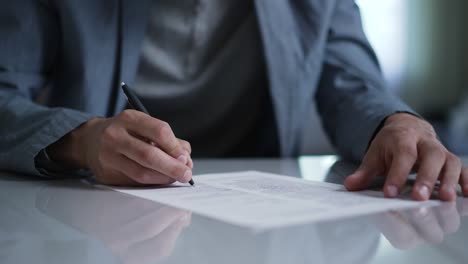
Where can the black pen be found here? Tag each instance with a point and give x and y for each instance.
(136, 104)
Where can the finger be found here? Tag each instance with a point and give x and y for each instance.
(427, 226)
(153, 129)
(115, 177)
(403, 161)
(138, 244)
(432, 159)
(360, 179)
(140, 174)
(398, 230)
(448, 217)
(167, 239)
(154, 158)
(462, 207)
(363, 176)
(450, 177)
(156, 248)
(186, 145)
(464, 181)
(190, 163)
(188, 148)
(153, 223)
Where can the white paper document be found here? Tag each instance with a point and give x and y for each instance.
(261, 200)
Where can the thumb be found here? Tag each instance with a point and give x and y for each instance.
(361, 178)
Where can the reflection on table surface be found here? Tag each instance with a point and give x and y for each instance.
(68, 221)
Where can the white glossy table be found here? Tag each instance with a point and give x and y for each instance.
(67, 221)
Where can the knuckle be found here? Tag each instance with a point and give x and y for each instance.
(164, 128)
(407, 149)
(164, 131)
(127, 115)
(187, 145)
(453, 160)
(110, 134)
(176, 171)
(439, 151)
(403, 132)
(145, 178)
(411, 131)
(146, 156)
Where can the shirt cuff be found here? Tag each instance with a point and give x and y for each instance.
(52, 169)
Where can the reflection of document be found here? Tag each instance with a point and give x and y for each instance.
(260, 200)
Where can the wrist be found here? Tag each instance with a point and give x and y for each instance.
(71, 148)
(409, 120)
(397, 117)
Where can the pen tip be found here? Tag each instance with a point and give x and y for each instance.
(192, 182)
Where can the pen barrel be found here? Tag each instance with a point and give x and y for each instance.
(133, 100)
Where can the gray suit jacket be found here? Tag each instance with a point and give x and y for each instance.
(72, 55)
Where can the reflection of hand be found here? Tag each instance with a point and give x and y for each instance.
(409, 229)
(136, 230)
(148, 237)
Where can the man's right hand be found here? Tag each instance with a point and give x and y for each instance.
(131, 148)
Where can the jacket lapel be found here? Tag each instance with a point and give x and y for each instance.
(293, 35)
(132, 26)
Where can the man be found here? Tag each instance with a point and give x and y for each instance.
(232, 78)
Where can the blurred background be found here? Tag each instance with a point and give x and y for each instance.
(421, 45)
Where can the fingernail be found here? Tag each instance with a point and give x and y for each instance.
(182, 158)
(449, 189)
(187, 176)
(424, 192)
(392, 191)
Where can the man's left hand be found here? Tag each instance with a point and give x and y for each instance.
(407, 143)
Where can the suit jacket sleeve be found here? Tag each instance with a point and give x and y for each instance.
(28, 54)
(352, 98)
